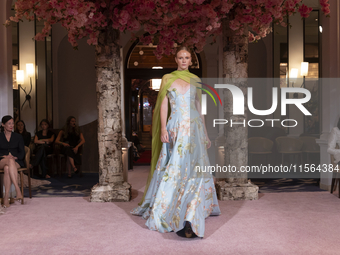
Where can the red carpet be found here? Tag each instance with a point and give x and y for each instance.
(145, 158)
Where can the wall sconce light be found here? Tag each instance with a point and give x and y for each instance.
(30, 69)
(304, 72)
(20, 80)
(304, 68)
(20, 76)
(156, 84)
(293, 75)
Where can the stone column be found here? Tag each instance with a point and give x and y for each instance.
(111, 186)
(235, 65)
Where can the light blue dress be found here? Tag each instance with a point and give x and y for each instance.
(177, 193)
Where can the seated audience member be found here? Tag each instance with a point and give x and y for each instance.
(43, 140)
(71, 139)
(12, 154)
(20, 128)
(333, 139)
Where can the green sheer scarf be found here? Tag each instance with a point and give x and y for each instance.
(167, 80)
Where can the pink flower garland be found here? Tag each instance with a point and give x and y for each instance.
(169, 23)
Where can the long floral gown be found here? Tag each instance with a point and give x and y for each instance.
(179, 191)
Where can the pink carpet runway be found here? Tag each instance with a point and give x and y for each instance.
(277, 223)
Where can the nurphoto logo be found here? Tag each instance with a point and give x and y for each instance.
(239, 104)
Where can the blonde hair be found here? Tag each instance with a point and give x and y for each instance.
(179, 48)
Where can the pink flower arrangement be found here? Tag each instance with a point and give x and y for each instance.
(304, 10)
(181, 22)
(191, 22)
(325, 6)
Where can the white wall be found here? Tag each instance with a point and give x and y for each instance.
(58, 33)
(27, 55)
(74, 80)
(77, 82)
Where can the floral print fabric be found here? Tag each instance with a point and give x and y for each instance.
(178, 192)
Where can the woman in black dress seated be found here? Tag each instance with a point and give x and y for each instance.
(71, 138)
(20, 128)
(12, 153)
(43, 140)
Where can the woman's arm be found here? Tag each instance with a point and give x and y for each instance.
(17, 148)
(51, 139)
(57, 141)
(37, 141)
(42, 141)
(198, 107)
(48, 140)
(164, 115)
(82, 141)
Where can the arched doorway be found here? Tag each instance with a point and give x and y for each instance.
(142, 70)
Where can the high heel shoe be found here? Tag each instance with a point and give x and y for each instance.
(19, 199)
(3, 201)
(188, 231)
(75, 169)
